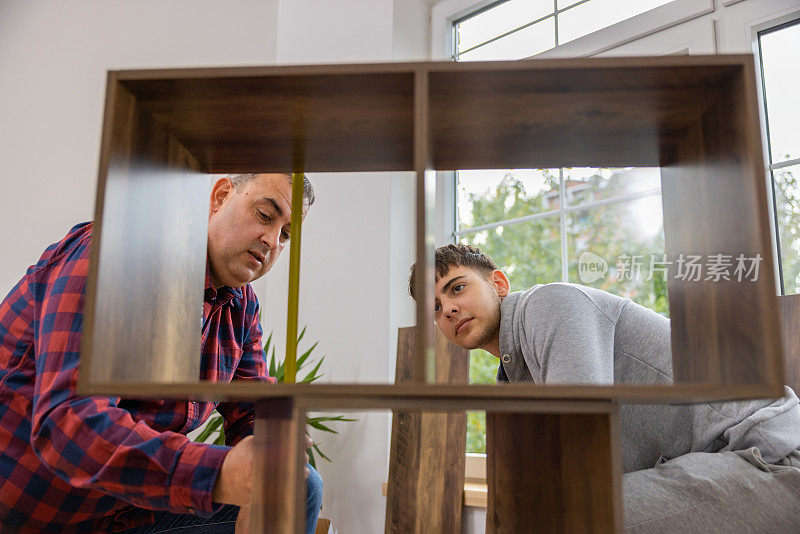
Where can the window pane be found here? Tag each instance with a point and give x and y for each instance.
(595, 15)
(620, 237)
(787, 201)
(528, 252)
(520, 44)
(482, 370)
(488, 196)
(562, 4)
(499, 20)
(780, 51)
(583, 185)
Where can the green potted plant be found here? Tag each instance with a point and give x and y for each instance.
(214, 432)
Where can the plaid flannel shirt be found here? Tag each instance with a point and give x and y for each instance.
(90, 464)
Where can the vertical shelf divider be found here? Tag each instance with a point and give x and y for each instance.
(425, 359)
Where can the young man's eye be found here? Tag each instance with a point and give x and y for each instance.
(457, 288)
(436, 308)
(285, 236)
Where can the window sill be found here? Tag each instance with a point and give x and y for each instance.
(475, 494)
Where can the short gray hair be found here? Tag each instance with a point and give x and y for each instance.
(238, 180)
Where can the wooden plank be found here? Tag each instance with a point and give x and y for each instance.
(278, 502)
(534, 113)
(426, 462)
(714, 201)
(143, 320)
(354, 122)
(790, 326)
(440, 397)
(425, 197)
(565, 117)
(553, 473)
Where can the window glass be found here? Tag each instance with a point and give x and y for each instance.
(787, 202)
(583, 184)
(594, 15)
(780, 61)
(520, 44)
(498, 20)
(487, 196)
(619, 248)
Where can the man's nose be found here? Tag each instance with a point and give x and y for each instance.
(270, 238)
(450, 309)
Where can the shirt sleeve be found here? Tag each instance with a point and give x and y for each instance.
(90, 442)
(239, 417)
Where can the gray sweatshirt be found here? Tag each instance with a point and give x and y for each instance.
(571, 334)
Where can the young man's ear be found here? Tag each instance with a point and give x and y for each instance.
(500, 283)
(219, 192)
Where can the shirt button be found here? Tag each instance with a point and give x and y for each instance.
(191, 510)
(506, 358)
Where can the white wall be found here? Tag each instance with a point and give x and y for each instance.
(54, 55)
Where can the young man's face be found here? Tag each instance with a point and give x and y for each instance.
(248, 227)
(467, 306)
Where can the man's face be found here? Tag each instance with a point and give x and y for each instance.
(467, 306)
(247, 228)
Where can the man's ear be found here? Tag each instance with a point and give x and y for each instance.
(500, 283)
(219, 192)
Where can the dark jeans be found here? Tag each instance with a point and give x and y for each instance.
(224, 521)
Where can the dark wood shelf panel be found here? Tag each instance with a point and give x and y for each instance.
(430, 397)
(696, 117)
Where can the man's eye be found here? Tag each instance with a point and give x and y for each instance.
(264, 216)
(285, 236)
(436, 308)
(457, 288)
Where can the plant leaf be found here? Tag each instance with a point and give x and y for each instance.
(302, 359)
(316, 448)
(212, 426)
(320, 426)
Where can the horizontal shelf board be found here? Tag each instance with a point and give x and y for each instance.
(359, 117)
(254, 124)
(512, 397)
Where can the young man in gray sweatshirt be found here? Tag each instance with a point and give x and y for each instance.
(730, 467)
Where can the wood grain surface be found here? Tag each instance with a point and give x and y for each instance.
(554, 473)
(714, 203)
(145, 289)
(426, 460)
(695, 116)
(278, 494)
(790, 324)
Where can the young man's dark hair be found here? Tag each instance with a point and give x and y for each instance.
(454, 255)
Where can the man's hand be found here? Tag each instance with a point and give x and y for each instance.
(243, 521)
(235, 478)
(234, 482)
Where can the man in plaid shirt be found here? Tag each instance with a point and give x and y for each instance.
(108, 464)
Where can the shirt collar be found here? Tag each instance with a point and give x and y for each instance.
(221, 296)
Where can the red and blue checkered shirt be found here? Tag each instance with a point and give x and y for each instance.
(95, 464)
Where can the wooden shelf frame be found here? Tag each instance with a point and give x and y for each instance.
(696, 117)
